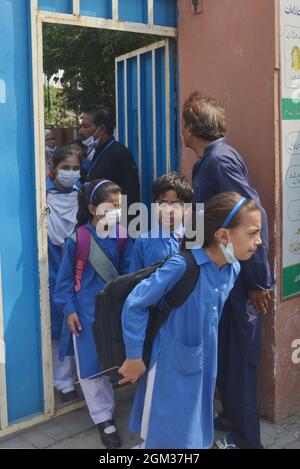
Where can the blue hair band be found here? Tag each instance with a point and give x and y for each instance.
(96, 188)
(234, 211)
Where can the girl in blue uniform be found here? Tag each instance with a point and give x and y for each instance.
(173, 407)
(61, 220)
(170, 194)
(99, 212)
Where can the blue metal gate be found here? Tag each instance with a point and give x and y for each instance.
(26, 393)
(146, 117)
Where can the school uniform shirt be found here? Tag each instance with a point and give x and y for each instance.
(83, 302)
(222, 169)
(61, 223)
(184, 351)
(154, 246)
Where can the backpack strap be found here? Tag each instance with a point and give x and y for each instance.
(101, 263)
(82, 240)
(182, 290)
(173, 300)
(88, 250)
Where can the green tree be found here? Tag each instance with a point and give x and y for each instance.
(87, 57)
(57, 110)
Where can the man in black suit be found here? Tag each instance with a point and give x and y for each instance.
(107, 158)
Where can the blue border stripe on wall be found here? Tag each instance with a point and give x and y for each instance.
(18, 241)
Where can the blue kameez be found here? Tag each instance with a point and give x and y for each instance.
(185, 352)
(83, 302)
(153, 247)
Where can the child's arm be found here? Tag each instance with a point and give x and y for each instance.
(64, 293)
(135, 313)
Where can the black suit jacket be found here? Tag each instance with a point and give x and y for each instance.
(117, 165)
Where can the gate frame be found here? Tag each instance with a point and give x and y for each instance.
(37, 18)
(137, 54)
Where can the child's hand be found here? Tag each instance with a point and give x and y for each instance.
(260, 300)
(73, 324)
(132, 370)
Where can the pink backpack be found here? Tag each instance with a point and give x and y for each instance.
(83, 250)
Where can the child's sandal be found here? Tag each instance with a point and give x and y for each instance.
(225, 443)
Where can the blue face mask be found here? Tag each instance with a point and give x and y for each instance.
(228, 253)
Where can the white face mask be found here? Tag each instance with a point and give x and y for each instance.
(50, 150)
(88, 142)
(91, 141)
(228, 253)
(112, 217)
(67, 178)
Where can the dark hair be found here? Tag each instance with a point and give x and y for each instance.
(217, 209)
(79, 143)
(205, 116)
(62, 153)
(101, 116)
(100, 196)
(90, 109)
(173, 182)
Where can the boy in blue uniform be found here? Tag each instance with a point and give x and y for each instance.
(170, 193)
(173, 408)
(220, 168)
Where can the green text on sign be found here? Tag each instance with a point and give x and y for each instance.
(290, 109)
(291, 281)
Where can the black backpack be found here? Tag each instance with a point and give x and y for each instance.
(107, 328)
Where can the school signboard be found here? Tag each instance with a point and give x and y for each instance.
(290, 138)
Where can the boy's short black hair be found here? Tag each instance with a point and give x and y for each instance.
(173, 182)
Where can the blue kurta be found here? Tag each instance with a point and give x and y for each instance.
(55, 254)
(153, 247)
(222, 169)
(185, 350)
(83, 302)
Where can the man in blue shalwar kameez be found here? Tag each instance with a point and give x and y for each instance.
(220, 168)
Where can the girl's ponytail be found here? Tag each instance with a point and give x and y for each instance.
(83, 214)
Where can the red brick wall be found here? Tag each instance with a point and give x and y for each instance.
(230, 51)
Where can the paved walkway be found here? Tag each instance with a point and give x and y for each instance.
(76, 430)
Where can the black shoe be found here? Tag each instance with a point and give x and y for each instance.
(110, 440)
(68, 396)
